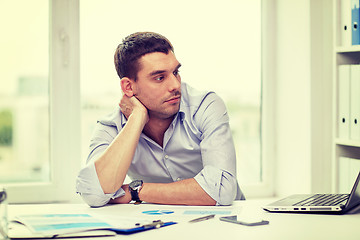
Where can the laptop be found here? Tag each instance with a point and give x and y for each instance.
(318, 203)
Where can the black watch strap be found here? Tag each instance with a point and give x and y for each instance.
(135, 196)
(134, 188)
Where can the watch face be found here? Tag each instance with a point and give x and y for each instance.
(136, 184)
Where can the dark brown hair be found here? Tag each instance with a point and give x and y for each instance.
(135, 46)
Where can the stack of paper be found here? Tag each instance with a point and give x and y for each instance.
(78, 225)
(58, 225)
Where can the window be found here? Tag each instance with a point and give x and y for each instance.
(217, 42)
(38, 96)
(24, 105)
(42, 139)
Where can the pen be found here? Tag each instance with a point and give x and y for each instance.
(202, 218)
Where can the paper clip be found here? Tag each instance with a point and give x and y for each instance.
(154, 224)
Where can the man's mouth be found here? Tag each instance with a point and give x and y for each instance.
(175, 99)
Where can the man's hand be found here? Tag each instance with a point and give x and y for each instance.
(129, 105)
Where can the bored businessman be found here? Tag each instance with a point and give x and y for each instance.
(173, 141)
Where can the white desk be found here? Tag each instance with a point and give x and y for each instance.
(282, 226)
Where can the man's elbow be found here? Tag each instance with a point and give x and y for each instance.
(228, 193)
(226, 200)
(94, 200)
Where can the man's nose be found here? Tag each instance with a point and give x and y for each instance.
(175, 82)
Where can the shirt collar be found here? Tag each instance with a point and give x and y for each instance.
(123, 120)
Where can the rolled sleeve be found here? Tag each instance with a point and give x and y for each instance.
(218, 177)
(88, 186)
(87, 182)
(220, 185)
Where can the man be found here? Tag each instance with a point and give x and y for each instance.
(174, 142)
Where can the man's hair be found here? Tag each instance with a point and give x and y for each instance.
(134, 47)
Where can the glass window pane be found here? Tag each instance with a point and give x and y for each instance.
(24, 104)
(217, 42)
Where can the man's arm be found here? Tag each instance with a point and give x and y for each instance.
(113, 164)
(218, 177)
(184, 192)
(216, 183)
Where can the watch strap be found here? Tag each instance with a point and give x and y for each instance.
(134, 188)
(135, 196)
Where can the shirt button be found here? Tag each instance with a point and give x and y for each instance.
(178, 179)
(166, 156)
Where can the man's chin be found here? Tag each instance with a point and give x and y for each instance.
(165, 114)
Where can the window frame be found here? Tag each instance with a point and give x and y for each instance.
(268, 104)
(64, 105)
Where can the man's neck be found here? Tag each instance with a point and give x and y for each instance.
(156, 128)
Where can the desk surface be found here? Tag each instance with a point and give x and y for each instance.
(282, 225)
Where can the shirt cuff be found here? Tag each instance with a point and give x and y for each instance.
(88, 186)
(219, 184)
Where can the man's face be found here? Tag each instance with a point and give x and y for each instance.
(158, 84)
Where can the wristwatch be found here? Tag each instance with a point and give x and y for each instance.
(134, 188)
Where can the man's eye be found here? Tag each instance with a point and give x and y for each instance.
(176, 72)
(160, 78)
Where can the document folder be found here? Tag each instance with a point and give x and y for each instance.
(70, 225)
(355, 102)
(344, 102)
(153, 225)
(345, 22)
(355, 22)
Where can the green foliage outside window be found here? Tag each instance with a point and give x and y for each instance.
(6, 128)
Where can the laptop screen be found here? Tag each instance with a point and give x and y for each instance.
(354, 198)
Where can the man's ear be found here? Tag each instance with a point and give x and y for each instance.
(127, 86)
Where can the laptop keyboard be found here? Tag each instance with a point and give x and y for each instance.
(324, 200)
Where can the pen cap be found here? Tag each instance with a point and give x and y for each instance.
(3, 215)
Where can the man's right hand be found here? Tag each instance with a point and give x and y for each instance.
(130, 105)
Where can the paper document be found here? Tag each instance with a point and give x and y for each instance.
(20, 231)
(64, 224)
(57, 224)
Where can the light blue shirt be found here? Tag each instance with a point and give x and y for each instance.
(198, 144)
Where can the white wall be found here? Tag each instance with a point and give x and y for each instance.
(303, 96)
(293, 148)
